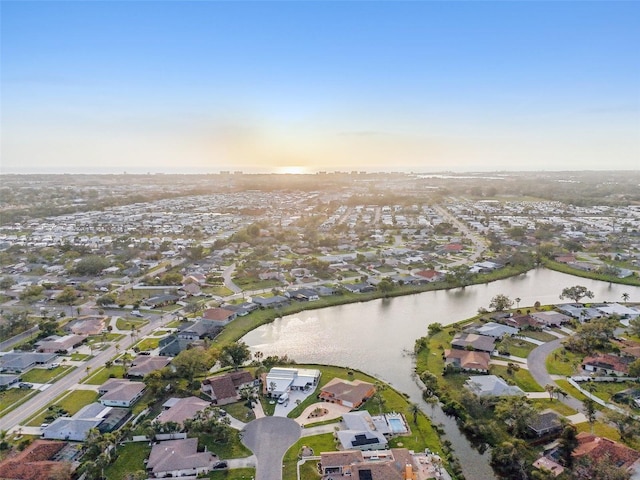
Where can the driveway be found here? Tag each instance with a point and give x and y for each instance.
(269, 438)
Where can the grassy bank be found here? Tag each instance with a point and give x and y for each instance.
(561, 267)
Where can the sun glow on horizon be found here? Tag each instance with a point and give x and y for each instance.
(292, 170)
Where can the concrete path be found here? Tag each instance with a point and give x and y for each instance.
(333, 411)
(505, 363)
(532, 340)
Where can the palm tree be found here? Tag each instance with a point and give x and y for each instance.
(517, 300)
(414, 409)
(625, 297)
(551, 390)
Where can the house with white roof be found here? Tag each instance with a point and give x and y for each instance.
(491, 385)
(280, 380)
(179, 458)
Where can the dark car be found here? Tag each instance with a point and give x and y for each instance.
(220, 465)
(25, 385)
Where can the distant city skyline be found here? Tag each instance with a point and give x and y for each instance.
(300, 87)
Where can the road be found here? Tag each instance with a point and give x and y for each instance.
(479, 244)
(269, 438)
(41, 400)
(227, 276)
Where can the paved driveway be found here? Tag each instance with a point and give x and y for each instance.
(269, 438)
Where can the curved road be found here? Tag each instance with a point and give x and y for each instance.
(536, 361)
(269, 438)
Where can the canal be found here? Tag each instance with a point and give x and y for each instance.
(377, 337)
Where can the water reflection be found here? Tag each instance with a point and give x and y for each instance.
(375, 336)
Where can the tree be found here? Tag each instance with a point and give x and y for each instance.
(603, 468)
(500, 303)
(576, 293)
(628, 427)
(625, 297)
(568, 443)
(551, 390)
(91, 265)
(508, 460)
(235, 354)
(385, 286)
(191, 362)
(634, 327)
(516, 413)
(590, 411)
(634, 368)
(517, 300)
(414, 410)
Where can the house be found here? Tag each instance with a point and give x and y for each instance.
(223, 389)
(495, 330)
(220, 316)
(161, 300)
(76, 427)
(7, 380)
(172, 345)
(621, 311)
(19, 362)
(87, 325)
(596, 448)
(360, 433)
(350, 394)
(57, 344)
(545, 423)
(277, 301)
(280, 380)
(35, 462)
(392, 464)
(178, 458)
(303, 295)
(358, 287)
(607, 364)
(120, 393)
(482, 343)
(521, 321)
(550, 319)
(180, 409)
(145, 364)
(201, 329)
(491, 385)
(468, 361)
(431, 275)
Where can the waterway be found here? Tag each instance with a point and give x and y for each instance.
(378, 336)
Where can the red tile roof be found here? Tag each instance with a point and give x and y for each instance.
(33, 463)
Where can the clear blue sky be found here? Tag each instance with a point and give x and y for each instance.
(92, 86)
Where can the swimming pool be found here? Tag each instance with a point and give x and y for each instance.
(396, 425)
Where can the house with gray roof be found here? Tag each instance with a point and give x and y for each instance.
(276, 301)
(360, 433)
(180, 409)
(482, 343)
(495, 330)
(145, 364)
(76, 428)
(19, 362)
(120, 393)
(178, 458)
(491, 385)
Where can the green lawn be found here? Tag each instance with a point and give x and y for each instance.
(555, 404)
(574, 392)
(231, 449)
(71, 403)
(522, 378)
(605, 390)
(148, 343)
(538, 335)
(103, 374)
(42, 375)
(11, 398)
(235, 474)
(515, 346)
(562, 362)
(79, 357)
(240, 411)
(319, 443)
(126, 324)
(129, 458)
(219, 290)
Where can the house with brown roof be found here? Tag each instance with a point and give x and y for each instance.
(607, 364)
(34, 462)
(219, 315)
(596, 448)
(179, 458)
(393, 464)
(466, 360)
(91, 325)
(61, 344)
(180, 409)
(430, 275)
(350, 394)
(117, 392)
(223, 389)
(145, 364)
(482, 343)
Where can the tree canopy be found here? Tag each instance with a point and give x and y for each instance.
(576, 293)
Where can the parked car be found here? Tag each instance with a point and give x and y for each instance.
(25, 385)
(220, 465)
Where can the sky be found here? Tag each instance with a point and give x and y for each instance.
(301, 86)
